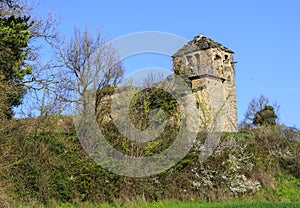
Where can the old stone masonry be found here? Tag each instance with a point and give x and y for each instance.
(209, 68)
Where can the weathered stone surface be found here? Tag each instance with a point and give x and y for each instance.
(199, 43)
(209, 67)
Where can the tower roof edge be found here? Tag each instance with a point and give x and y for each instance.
(200, 42)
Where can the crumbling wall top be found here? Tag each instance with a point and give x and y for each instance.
(200, 42)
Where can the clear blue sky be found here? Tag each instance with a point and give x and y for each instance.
(263, 34)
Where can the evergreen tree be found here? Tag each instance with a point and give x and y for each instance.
(14, 37)
(265, 117)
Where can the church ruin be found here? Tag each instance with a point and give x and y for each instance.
(209, 69)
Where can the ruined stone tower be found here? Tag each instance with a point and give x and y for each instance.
(209, 68)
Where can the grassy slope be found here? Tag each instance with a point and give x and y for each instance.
(42, 162)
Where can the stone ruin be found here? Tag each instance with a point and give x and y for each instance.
(209, 69)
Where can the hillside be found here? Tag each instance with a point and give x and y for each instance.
(42, 161)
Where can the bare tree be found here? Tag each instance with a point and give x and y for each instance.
(85, 63)
(152, 78)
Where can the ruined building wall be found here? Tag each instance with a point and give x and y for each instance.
(210, 71)
(224, 66)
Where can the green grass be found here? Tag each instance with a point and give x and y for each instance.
(176, 204)
(287, 190)
(289, 187)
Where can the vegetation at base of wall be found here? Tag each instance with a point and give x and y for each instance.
(42, 162)
(143, 103)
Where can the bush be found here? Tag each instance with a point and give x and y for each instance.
(42, 160)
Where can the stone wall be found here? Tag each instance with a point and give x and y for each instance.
(209, 68)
